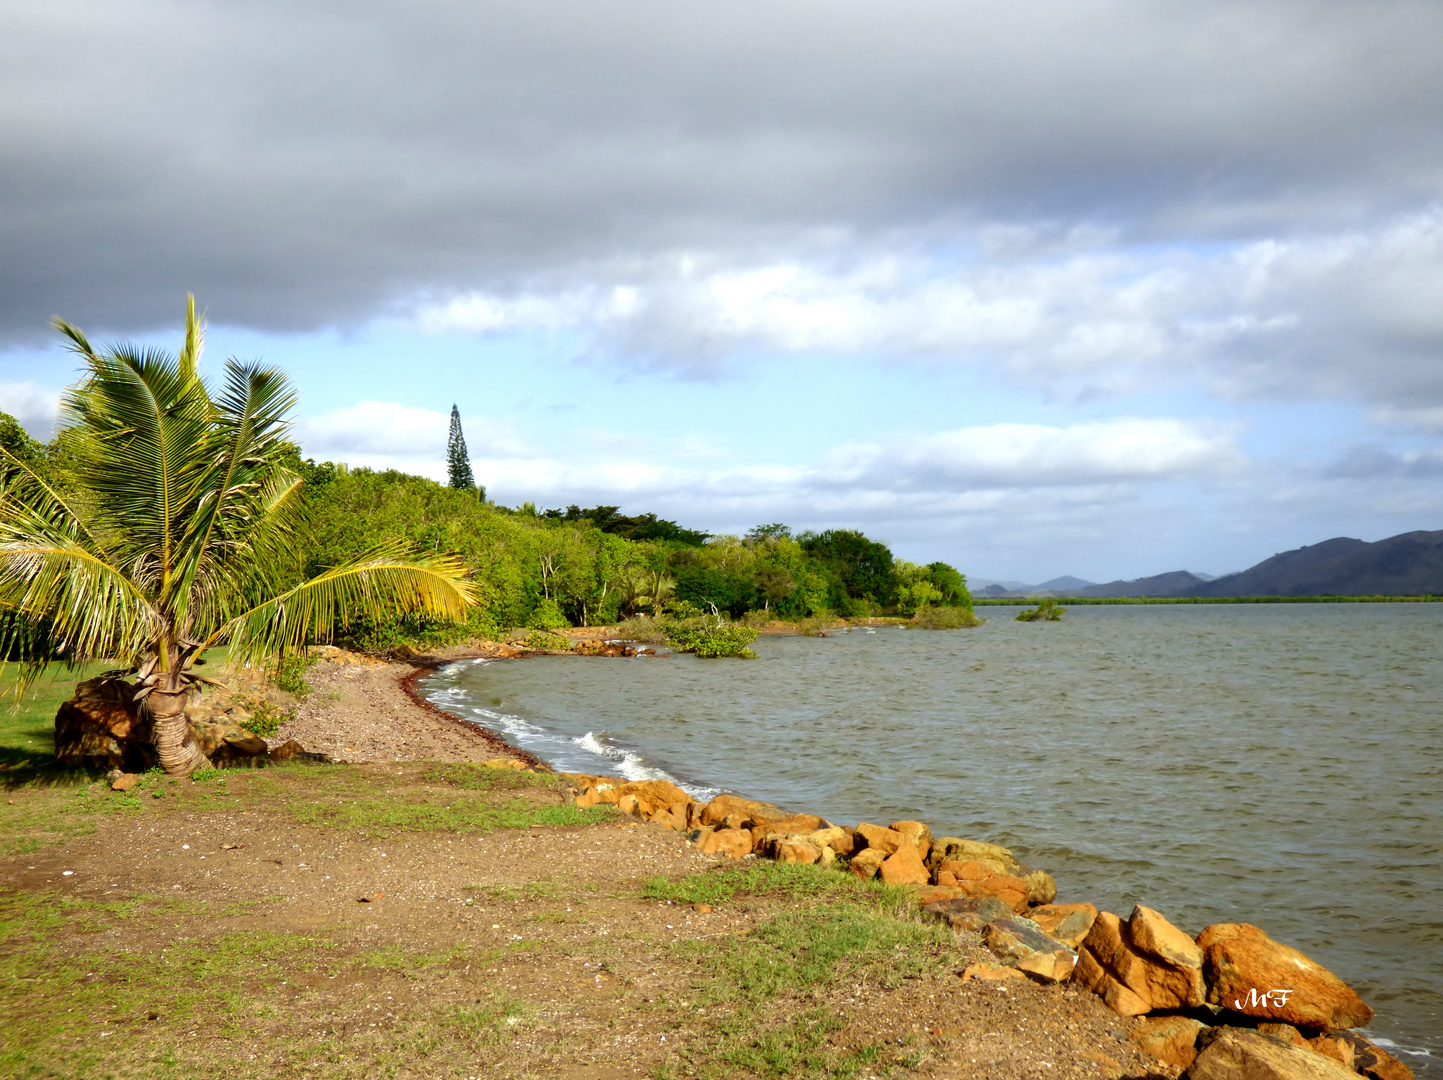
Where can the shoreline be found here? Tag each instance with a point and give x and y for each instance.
(1319, 1038)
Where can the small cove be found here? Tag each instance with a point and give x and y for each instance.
(1275, 764)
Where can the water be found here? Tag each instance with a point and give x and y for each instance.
(1273, 764)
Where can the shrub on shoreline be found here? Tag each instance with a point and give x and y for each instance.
(945, 618)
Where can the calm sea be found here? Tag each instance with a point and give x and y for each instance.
(1274, 764)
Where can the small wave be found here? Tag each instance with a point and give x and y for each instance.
(632, 766)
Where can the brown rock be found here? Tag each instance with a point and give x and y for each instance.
(1170, 1039)
(1372, 1060)
(866, 863)
(1041, 888)
(1330, 1046)
(245, 742)
(723, 806)
(905, 867)
(884, 840)
(124, 782)
(102, 726)
(1068, 923)
(970, 870)
(733, 843)
(991, 972)
(797, 851)
(847, 843)
(702, 909)
(1022, 943)
(1287, 1033)
(955, 849)
(671, 817)
(933, 894)
(1236, 1054)
(1145, 956)
(1250, 973)
(918, 833)
(966, 913)
(629, 804)
(792, 825)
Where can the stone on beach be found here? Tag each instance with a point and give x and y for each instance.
(797, 851)
(1243, 965)
(723, 806)
(978, 878)
(991, 972)
(956, 849)
(968, 913)
(1143, 964)
(1236, 1054)
(867, 862)
(733, 843)
(1023, 944)
(917, 833)
(879, 839)
(1372, 1060)
(1170, 1039)
(1068, 923)
(905, 867)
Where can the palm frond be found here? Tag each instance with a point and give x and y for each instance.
(387, 581)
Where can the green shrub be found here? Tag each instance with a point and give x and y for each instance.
(1046, 611)
(541, 639)
(290, 675)
(944, 618)
(710, 636)
(266, 716)
(547, 616)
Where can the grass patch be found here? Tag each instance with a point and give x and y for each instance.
(479, 778)
(459, 815)
(727, 881)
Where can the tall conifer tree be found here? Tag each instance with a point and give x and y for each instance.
(458, 461)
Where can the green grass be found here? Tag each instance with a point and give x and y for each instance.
(460, 814)
(727, 881)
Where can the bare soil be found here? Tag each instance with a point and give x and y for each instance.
(371, 920)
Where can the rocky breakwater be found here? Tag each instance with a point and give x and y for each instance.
(1229, 1004)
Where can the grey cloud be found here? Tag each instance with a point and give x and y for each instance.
(312, 165)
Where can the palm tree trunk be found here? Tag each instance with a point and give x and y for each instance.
(179, 756)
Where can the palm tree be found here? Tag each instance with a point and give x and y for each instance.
(179, 532)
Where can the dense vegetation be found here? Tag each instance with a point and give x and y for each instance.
(545, 569)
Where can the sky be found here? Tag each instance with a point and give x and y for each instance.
(1106, 288)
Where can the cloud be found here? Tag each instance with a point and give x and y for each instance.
(377, 152)
(34, 406)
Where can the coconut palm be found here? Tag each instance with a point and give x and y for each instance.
(178, 531)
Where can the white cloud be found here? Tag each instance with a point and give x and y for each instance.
(34, 406)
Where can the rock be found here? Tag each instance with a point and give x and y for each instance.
(290, 750)
(847, 843)
(866, 863)
(797, 851)
(1287, 1033)
(991, 972)
(1236, 1054)
(1141, 965)
(629, 804)
(978, 878)
(1372, 1060)
(955, 849)
(1250, 973)
(1022, 943)
(702, 909)
(1041, 888)
(918, 833)
(124, 782)
(720, 808)
(733, 843)
(102, 726)
(1170, 1039)
(905, 867)
(884, 840)
(968, 913)
(1068, 923)
(1330, 1046)
(672, 817)
(793, 825)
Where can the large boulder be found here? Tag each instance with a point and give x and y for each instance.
(918, 833)
(1022, 943)
(978, 878)
(733, 843)
(968, 912)
(720, 808)
(955, 849)
(904, 867)
(1170, 1039)
(879, 839)
(1250, 973)
(1238, 1054)
(866, 863)
(102, 726)
(1068, 923)
(1372, 1060)
(1140, 965)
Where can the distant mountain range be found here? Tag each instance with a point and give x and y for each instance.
(1410, 564)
